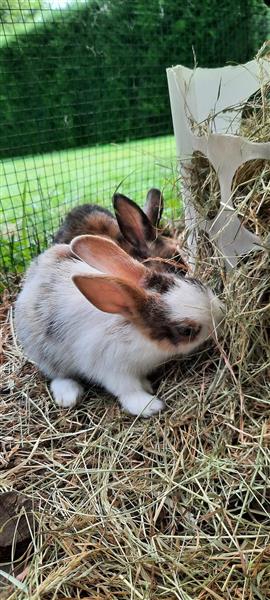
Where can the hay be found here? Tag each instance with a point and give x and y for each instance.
(173, 507)
(246, 289)
(251, 195)
(251, 184)
(250, 192)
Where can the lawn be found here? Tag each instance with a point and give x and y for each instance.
(36, 191)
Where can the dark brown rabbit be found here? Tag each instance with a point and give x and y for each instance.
(133, 229)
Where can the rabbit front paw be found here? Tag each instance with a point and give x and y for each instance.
(140, 403)
(66, 392)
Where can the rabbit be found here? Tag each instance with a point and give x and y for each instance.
(135, 230)
(90, 311)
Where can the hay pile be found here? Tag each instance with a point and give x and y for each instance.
(176, 507)
(173, 507)
(246, 289)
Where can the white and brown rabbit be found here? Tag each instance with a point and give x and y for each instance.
(135, 230)
(91, 311)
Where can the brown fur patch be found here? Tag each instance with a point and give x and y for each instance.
(101, 224)
(165, 247)
(162, 265)
(153, 320)
(87, 219)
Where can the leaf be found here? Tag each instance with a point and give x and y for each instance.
(14, 581)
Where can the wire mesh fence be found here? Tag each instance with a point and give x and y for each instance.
(84, 107)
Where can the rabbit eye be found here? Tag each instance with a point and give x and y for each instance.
(187, 331)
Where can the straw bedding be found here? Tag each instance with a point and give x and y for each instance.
(176, 507)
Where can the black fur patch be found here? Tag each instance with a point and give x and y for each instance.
(52, 329)
(160, 282)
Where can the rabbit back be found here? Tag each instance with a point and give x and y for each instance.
(87, 219)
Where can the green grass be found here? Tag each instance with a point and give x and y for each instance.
(37, 191)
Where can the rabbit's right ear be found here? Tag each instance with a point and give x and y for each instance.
(111, 294)
(154, 206)
(106, 256)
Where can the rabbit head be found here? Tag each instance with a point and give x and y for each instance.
(174, 312)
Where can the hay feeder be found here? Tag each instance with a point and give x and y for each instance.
(206, 110)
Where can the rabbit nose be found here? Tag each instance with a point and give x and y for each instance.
(217, 308)
(218, 312)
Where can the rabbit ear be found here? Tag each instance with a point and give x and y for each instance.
(111, 294)
(154, 206)
(134, 224)
(105, 255)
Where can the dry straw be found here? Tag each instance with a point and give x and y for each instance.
(176, 507)
(246, 289)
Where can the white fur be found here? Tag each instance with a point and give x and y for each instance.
(67, 337)
(140, 403)
(66, 392)
(188, 300)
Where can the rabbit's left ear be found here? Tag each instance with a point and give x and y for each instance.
(106, 256)
(112, 295)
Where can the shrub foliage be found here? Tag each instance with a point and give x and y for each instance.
(95, 73)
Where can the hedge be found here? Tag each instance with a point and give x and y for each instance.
(96, 73)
